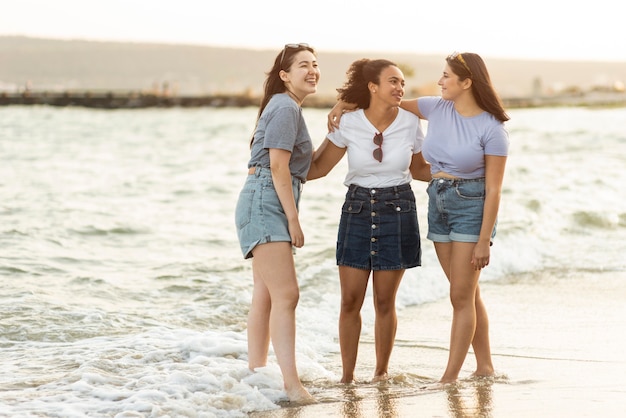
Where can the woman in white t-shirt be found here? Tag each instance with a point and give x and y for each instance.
(378, 231)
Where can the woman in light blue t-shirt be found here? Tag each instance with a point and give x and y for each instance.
(466, 145)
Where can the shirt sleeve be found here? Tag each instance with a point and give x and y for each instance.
(419, 138)
(426, 104)
(282, 128)
(497, 141)
(337, 138)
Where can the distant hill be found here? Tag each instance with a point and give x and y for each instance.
(58, 65)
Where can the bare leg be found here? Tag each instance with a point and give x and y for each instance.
(353, 287)
(273, 265)
(386, 285)
(455, 260)
(480, 343)
(258, 323)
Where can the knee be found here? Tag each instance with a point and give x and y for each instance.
(293, 298)
(287, 300)
(351, 304)
(461, 300)
(384, 306)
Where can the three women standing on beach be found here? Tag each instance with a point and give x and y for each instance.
(378, 230)
(266, 215)
(467, 146)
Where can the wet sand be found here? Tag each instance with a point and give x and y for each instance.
(558, 346)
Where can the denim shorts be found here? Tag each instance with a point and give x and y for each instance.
(455, 209)
(259, 216)
(378, 229)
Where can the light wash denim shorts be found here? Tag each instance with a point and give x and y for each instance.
(378, 229)
(259, 216)
(455, 209)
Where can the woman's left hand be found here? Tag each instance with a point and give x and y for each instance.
(480, 256)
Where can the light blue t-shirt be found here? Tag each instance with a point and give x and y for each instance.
(456, 144)
(282, 126)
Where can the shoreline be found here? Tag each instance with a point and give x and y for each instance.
(141, 100)
(556, 347)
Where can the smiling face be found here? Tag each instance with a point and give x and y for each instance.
(390, 88)
(302, 77)
(451, 86)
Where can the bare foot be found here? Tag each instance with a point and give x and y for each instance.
(347, 378)
(481, 374)
(448, 381)
(381, 378)
(300, 396)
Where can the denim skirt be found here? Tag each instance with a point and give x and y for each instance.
(259, 215)
(378, 229)
(455, 209)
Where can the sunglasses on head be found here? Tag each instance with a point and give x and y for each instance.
(457, 56)
(295, 46)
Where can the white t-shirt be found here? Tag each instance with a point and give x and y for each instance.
(402, 139)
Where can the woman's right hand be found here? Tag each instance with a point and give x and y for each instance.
(335, 114)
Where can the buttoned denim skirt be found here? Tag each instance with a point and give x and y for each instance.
(378, 229)
(259, 215)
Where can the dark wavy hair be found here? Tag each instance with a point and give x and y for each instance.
(360, 73)
(473, 67)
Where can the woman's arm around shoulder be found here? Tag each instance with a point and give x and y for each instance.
(335, 113)
(410, 105)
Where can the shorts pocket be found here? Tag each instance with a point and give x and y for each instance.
(243, 210)
(471, 190)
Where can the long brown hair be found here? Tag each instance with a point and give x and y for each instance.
(470, 65)
(273, 83)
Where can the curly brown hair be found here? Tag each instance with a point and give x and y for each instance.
(361, 72)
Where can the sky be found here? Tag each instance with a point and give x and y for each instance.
(517, 29)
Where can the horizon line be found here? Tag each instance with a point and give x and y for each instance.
(318, 49)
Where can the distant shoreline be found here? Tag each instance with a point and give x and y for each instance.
(135, 100)
(185, 73)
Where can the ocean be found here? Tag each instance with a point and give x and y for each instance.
(124, 292)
